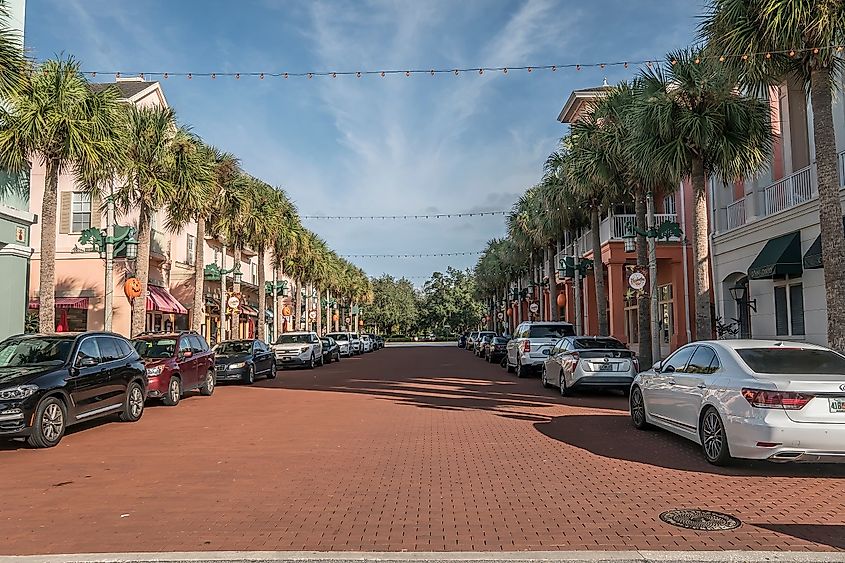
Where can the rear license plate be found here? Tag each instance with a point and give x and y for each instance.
(605, 367)
(837, 404)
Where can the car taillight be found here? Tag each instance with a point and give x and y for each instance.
(526, 346)
(765, 399)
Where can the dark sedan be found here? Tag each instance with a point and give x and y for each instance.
(331, 350)
(243, 360)
(50, 381)
(496, 349)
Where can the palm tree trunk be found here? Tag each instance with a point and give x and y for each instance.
(47, 266)
(198, 318)
(318, 308)
(297, 304)
(142, 270)
(643, 305)
(236, 289)
(701, 253)
(830, 212)
(553, 284)
(598, 273)
(262, 298)
(328, 312)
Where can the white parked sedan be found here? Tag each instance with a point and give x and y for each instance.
(754, 399)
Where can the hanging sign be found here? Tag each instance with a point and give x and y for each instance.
(312, 314)
(500, 315)
(287, 311)
(534, 308)
(233, 302)
(637, 281)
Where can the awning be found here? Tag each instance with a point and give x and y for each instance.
(813, 256)
(159, 299)
(247, 310)
(780, 257)
(64, 303)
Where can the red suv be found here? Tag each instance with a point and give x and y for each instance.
(175, 363)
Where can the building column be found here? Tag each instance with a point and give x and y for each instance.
(616, 300)
(679, 302)
(14, 263)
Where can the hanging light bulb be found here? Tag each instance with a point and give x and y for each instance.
(213, 75)
(261, 76)
(505, 70)
(530, 69)
(554, 68)
(358, 74)
(334, 75)
(190, 76)
(237, 76)
(407, 73)
(286, 75)
(382, 74)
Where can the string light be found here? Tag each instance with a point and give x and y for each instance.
(415, 216)
(429, 255)
(457, 71)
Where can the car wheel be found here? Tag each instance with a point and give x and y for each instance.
(133, 404)
(322, 360)
(273, 369)
(714, 441)
(561, 383)
(543, 379)
(208, 384)
(249, 378)
(312, 362)
(637, 407)
(508, 365)
(520, 370)
(174, 392)
(49, 424)
(337, 357)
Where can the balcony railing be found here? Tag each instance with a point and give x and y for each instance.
(614, 227)
(736, 214)
(792, 190)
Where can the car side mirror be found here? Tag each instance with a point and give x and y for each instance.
(669, 369)
(656, 367)
(187, 353)
(87, 362)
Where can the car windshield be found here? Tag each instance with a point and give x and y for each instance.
(550, 331)
(339, 336)
(238, 347)
(783, 361)
(34, 351)
(599, 344)
(155, 347)
(500, 340)
(294, 339)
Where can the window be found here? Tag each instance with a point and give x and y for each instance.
(185, 345)
(666, 313)
(254, 268)
(669, 204)
(549, 331)
(785, 360)
(80, 212)
(190, 252)
(109, 350)
(632, 320)
(125, 347)
(88, 349)
(678, 360)
(703, 361)
(789, 309)
(196, 344)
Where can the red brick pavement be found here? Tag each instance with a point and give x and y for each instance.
(422, 449)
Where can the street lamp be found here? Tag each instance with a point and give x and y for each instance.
(131, 249)
(237, 276)
(739, 292)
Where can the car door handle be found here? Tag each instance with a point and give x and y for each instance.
(671, 381)
(701, 386)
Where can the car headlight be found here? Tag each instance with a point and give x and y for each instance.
(19, 392)
(237, 365)
(154, 371)
(304, 349)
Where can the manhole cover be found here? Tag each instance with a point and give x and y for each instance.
(695, 519)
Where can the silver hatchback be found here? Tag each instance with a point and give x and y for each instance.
(580, 362)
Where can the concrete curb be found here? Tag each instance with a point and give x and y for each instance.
(426, 557)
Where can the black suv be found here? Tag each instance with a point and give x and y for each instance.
(51, 381)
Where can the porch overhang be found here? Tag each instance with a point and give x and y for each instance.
(781, 256)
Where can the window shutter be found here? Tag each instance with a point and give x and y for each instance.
(781, 314)
(96, 215)
(64, 212)
(796, 308)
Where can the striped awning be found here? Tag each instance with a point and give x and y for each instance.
(64, 303)
(159, 299)
(247, 310)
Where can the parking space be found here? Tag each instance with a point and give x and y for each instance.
(418, 448)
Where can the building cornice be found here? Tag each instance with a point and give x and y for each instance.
(17, 215)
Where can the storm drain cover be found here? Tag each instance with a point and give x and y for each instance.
(694, 519)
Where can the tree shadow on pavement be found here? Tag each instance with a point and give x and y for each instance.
(826, 534)
(613, 436)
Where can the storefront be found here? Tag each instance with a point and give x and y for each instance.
(164, 312)
(71, 313)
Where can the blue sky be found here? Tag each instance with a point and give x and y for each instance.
(373, 145)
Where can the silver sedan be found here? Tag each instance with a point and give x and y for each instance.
(754, 399)
(579, 362)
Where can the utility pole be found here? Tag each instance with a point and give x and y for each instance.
(652, 278)
(223, 295)
(275, 305)
(576, 262)
(108, 304)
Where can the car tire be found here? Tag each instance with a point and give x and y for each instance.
(321, 361)
(520, 370)
(562, 386)
(508, 365)
(543, 378)
(133, 404)
(636, 406)
(714, 440)
(249, 378)
(312, 362)
(337, 357)
(273, 369)
(208, 384)
(49, 424)
(174, 392)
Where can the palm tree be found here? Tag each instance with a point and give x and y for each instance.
(55, 117)
(800, 37)
(193, 201)
(690, 121)
(150, 176)
(13, 64)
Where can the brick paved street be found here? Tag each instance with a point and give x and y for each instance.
(422, 449)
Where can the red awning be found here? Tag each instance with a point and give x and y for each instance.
(159, 299)
(64, 303)
(247, 310)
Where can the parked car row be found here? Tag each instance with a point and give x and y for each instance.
(49, 382)
(750, 399)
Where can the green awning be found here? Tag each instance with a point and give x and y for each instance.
(780, 257)
(813, 256)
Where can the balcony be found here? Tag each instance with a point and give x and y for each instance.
(736, 214)
(613, 228)
(792, 190)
